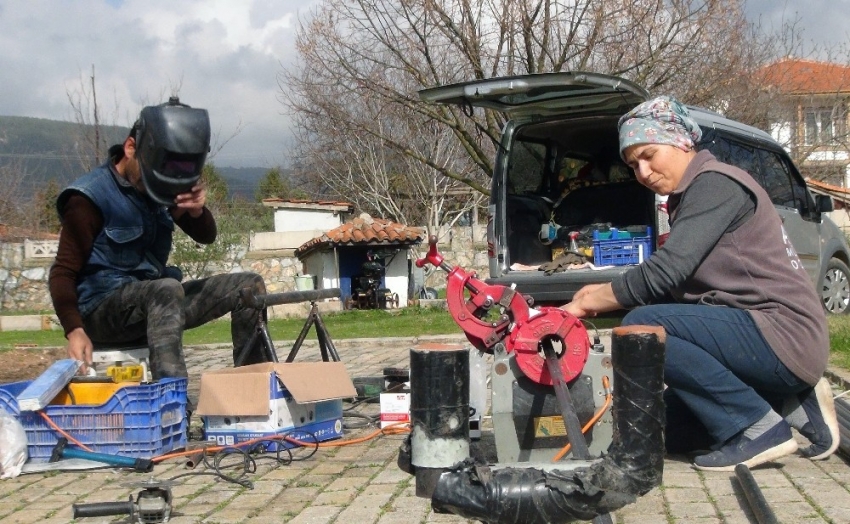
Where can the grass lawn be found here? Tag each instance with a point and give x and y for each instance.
(404, 322)
(839, 341)
(342, 325)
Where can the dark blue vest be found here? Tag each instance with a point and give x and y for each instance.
(135, 240)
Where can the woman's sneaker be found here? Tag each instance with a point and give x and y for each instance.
(822, 427)
(774, 443)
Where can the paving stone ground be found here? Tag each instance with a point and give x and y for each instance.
(361, 484)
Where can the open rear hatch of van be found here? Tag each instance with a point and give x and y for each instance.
(560, 165)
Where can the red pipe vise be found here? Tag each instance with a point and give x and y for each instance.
(489, 314)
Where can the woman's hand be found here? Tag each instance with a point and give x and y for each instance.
(591, 300)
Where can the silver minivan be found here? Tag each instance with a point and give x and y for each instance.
(559, 186)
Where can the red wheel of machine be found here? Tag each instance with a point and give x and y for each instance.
(556, 324)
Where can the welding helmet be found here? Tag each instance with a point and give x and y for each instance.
(172, 142)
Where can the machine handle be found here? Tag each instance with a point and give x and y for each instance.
(433, 257)
(102, 509)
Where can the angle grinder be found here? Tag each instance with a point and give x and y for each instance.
(152, 504)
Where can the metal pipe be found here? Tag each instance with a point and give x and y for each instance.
(579, 490)
(194, 459)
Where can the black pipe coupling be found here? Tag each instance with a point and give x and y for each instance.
(633, 466)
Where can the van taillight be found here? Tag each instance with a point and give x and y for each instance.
(662, 221)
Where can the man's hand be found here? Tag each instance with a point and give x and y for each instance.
(191, 202)
(80, 348)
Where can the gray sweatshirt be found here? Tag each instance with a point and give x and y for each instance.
(727, 247)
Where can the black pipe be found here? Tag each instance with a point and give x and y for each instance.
(842, 409)
(439, 411)
(634, 465)
(288, 297)
(761, 510)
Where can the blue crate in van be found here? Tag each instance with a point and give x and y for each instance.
(138, 421)
(621, 248)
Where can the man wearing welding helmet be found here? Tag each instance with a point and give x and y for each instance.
(110, 284)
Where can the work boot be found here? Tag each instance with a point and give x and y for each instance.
(820, 424)
(774, 443)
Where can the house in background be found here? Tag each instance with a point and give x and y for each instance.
(339, 257)
(813, 120)
(297, 221)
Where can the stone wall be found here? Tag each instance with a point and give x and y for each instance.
(23, 279)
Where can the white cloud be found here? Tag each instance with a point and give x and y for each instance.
(223, 55)
(825, 23)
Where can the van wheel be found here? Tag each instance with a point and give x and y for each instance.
(835, 288)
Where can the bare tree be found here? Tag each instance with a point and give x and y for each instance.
(362, 62)
(386, 181)
(93, 122)
(14, 207)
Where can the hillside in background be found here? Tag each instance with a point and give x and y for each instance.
(41, 150)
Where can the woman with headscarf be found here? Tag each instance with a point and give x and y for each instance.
(747, 341)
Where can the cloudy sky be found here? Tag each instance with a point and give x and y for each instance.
(224, 55)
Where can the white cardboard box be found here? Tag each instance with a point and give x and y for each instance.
(300, 399)
(395, 408)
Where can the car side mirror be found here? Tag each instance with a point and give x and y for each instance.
(824, 203)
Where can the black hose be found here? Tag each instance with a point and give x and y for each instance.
(842, 410)
(761, 510)
(633, 467)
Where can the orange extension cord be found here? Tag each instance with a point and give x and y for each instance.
(394, 429)
(398, 428)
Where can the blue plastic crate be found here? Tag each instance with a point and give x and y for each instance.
(621, 248)
(141, 421)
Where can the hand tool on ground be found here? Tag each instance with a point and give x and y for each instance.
(152, 504)
(61, 451)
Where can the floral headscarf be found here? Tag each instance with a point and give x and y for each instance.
(662, 120)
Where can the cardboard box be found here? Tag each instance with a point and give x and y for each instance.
(395, 408)
(300, 399)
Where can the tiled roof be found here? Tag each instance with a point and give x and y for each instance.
(797, 76)
(364, 231)
(836, 192)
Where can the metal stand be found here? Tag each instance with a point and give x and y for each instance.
(267, 347)
(326, 345)
(261, 302)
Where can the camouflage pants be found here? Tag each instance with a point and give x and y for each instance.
(159, 311)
